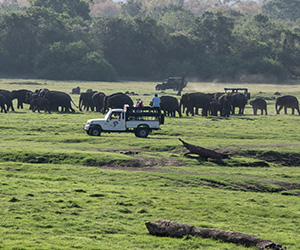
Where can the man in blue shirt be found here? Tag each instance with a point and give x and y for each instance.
(155, 101)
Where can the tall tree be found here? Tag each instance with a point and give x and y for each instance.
(74, 8)
(282, 9)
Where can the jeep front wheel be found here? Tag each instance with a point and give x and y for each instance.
(95, 131)
(142, 132)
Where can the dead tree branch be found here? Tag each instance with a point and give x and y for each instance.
(176, 229)
(208, 154)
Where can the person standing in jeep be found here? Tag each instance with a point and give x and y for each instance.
(181, 84)
(155, 101)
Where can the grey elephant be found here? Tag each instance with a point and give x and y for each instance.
(287, 101)
(76, 90)
(192, 101)
(39, 104)
(60, 99)
(21, 95)
(9, 98)
(86, 101)
(225, 102)
(98, 99)
(239, 100)
(2, 103)
(30, 97)
(170, 105)
(259, 103)
(118, 101)
(106, 98)
(41, 92)
(214, 106)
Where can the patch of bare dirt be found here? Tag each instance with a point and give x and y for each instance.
(284, 159)
(145, 162)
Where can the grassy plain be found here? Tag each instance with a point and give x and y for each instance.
(62, 189)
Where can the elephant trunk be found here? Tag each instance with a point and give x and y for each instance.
(182, 106)
(80, 104)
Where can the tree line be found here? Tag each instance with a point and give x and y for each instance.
(64, 40)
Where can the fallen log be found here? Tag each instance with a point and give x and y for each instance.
(169, 228)
(204, 152)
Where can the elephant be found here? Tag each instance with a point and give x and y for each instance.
(2, 103)
(42, 92)
(259, 103)
(20, 95)
(86, 101)
(117, 101)
(214, 106)
(9, 98)
(170, 105)
(195, 100)
(225, 102)
(238, 101)
(287, 101)
(105, 106)
(39, 104)
(29, 97)
(183, 101)
(76, 90)
(60, 99)
(98, 99)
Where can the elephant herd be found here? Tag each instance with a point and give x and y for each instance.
(98, 101)
(42, 99)
(212, 104)
(190, 103)
(226, 103)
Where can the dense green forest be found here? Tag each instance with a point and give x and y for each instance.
(107, 40)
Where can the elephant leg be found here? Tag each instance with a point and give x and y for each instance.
(285, 110)
(187, 111)
(280, 108)
(293, 111)
(255, 111)
(233, 110)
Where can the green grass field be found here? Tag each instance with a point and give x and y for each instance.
(62, 189)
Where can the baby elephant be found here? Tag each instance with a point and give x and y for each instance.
(39, 104)
(259, 103)
(287, 101)
(2, 103)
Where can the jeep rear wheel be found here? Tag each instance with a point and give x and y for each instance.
(95, 131)
(142, 132)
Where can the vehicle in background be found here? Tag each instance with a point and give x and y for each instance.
(171, 83)
(242, 90)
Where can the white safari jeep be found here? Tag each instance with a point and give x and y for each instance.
(140, 121)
